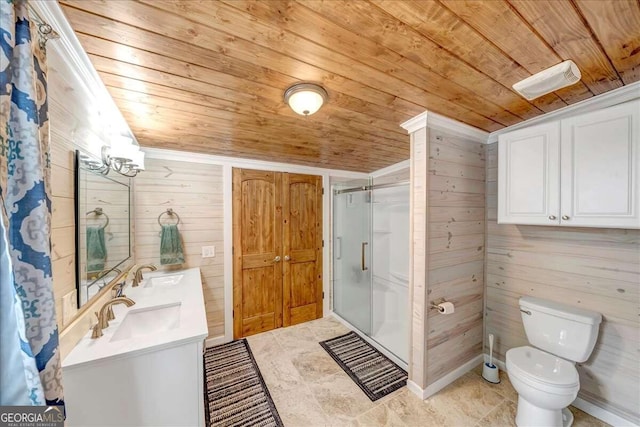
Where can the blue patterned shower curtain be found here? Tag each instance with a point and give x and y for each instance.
(29, 356)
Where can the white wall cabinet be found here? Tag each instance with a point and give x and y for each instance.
(579, 172)
(529, 175)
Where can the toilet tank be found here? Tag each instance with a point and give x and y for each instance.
(560, 329)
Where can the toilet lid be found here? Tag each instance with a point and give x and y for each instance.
(543, 367)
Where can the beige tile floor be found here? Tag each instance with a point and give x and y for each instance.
(310, 389)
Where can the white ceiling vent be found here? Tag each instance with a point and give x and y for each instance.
(564, 74)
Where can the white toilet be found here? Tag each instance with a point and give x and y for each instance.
(545, 376)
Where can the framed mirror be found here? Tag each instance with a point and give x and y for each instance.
(103, 225)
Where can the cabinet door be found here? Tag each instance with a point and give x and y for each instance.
(600, 161)
(529, 175)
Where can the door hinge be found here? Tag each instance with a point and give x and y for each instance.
(233, 249)
(323, 243)
(322, 190)
(233, 313)
(322, 294)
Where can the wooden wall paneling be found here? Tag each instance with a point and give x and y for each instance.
(617, 26)
(563, 29)
(139, 80)
(246, 26)
(456, 251)
(438, 23)
(194, 191)
(386, 142)
(382, 62)
(72, 125)
(597, 269)
(298, 19)
(419, 257)
(397, 36)
(181, 99)
(499, 23)
(242, 51)
(174, 25)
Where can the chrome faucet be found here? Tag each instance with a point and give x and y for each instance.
(137, 275)
(103, 315)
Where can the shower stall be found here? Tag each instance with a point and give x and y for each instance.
(371, 261)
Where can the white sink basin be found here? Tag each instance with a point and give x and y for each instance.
(149, 320)
(163, 281)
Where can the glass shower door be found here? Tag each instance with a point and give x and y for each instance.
(351, 255)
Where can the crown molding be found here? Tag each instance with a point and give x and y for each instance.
(68, 47)
(187, 156)
(440, 122)
(608, 99)
(415, 123)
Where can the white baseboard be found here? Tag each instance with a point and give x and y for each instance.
(602, 414)
(588, 407)
(415, 389)
(211, 342)
(444, 381)
(452, 376)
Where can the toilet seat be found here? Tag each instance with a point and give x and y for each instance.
(542, 370)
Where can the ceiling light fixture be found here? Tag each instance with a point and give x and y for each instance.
(305, 98)
(546, 81)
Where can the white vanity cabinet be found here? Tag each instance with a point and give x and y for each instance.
(582, 171)
(147, 368)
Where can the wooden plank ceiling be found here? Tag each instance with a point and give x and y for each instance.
(209, 76)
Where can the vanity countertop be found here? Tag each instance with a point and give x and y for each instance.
(192, 321)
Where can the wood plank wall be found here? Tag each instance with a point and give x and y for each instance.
(74, 123)
(456, 251)
(194, 191)
(592, 268)
(419, 256)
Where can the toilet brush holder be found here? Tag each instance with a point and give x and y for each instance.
(491, 373)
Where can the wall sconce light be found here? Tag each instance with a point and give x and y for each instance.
(121, 156)
(305, 98)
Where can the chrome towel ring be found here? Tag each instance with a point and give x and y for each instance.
(169, 212)
(99, 212)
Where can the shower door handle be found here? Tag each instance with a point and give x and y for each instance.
(364, 264)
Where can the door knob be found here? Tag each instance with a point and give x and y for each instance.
(287, 258)
(552, 217)
(565, 217)
(276, 259)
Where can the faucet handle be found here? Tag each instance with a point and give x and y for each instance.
(97, 329)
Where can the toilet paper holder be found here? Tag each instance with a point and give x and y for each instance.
(435, 305)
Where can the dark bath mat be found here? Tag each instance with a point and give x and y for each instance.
(235, 393)
(374, 373)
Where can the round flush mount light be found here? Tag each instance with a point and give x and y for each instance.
(305, 98)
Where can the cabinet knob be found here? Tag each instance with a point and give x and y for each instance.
(552, 217)
(565, 217)
(276, 259)
(287, 258)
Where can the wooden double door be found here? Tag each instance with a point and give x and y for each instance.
(277, 250)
